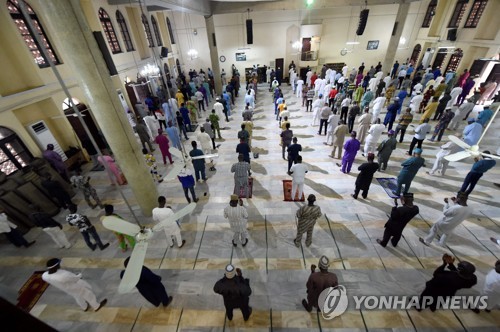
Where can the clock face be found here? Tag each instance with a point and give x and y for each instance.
(222, 58)
(343, 52)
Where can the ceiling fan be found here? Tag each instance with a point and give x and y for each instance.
(185, 159)
(142, 236)
(470, 151)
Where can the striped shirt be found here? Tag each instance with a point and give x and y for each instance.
(237, 217)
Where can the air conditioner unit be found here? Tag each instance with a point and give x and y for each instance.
(272, 64)
(43, 136)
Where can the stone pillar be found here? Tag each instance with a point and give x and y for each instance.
(394, 41)
(78, 49)
(214, 54)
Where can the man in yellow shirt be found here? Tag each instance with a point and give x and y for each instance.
(430, 109)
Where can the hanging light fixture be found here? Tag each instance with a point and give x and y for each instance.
(193, 54)
(297, 45)
(150, 70)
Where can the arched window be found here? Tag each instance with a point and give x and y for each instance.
(156, 31)
(475, 13)
(147, 30)
(124, 30)
(429, 14)
(29, 36)
(170, 31)
(458, 13)
(416, 53)
(455, 60)
(109, 31)
(13, 153)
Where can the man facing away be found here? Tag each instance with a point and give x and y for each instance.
(71, 284)
(400, 217)
(454, 213)
(481, 166)
(408, 172)
(298, 173)
(237, 216)
(365, 176)
(150, 286)
(235, 291)
(318, 282)
(161, 215)
(306, 219)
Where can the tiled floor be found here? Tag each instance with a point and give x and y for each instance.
(277, 269)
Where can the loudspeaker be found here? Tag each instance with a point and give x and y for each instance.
(105, 52)
(164, 52)
(213, 40)
(452, 34)
(363, 18)
(249, 32)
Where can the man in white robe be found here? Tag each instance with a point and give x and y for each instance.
(364, 122)
(205, 141)
(344, 70)
(152, 124)
(161, 215)
(237, 216)
(333, 122)
(316, 106)
(455, 212)
(308, 78)
(374, 134)
(415, 102)
(378, 104)
(300, 84)
(460, 113)
(455, 92)
(72, 284)
(441, 164)
(492, 287)
(219, 109)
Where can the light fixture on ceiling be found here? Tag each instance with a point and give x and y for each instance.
(352, 43)
(402, 41)
(193, 54)
(297, 45)
(150, 70)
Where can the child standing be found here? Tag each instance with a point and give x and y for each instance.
(82, 183)
(151, 162)
(109, 211)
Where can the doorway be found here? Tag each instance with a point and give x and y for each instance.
(279, 73)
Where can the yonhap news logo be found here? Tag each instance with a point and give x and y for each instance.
(333, 302)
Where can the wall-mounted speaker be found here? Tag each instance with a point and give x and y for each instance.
(249, 32)
(164, 52)
(452, 34)
(214, 41)
(363, 18)
(105, 52)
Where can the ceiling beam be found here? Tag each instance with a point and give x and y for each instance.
(200, 7)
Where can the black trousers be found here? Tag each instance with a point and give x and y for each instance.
(358, 189)
(291, 161)
(321, 123)
(201, 105)
(245, 310)
(438, 115)
(388, 233)
(402, 130)
(16, 238)
(350, 123)
(309, 104)
(191, 189)
(213, 141)
(412, 144)
(470, 182)
(163, 124)
(343, 113)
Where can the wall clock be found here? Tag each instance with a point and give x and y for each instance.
(222, 58)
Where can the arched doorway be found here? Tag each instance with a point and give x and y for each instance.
(439, 58)
(455, 59)
(416, 53)
(67, 107)
(13, 153)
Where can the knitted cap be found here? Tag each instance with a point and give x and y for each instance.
(324, 263)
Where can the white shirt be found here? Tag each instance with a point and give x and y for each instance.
(402, 73)
(454, 214)
(66, 281)
(387, 79)
(160, 216)
(374, 132)
(152, 124)
(299, 172)
(378, 103)
(415, 102)
(300, 83)
(5, 224)
(345, 102)
(344, 70)
(237, 217)
(418, 87)
(205, 140)
(492, 283)
(199, 95)
(219, 110)
(333, 122)
(422, 131)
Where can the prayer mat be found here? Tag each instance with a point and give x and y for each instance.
(287, 192)
(250, 187)
(31, 291)
(389, 184)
